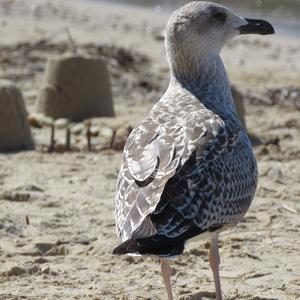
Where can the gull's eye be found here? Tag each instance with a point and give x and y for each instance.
(220, 17)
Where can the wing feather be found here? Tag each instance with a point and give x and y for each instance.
(154, 152)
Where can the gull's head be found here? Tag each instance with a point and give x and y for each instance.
(205, 27)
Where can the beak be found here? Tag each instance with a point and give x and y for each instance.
(256, 26)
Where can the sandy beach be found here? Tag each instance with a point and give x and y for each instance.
(57, 226)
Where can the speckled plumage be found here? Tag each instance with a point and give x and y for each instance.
(188, 168)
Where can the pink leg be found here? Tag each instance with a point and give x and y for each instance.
(214, 260)
(166, 274)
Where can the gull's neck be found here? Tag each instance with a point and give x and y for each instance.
(204, 76)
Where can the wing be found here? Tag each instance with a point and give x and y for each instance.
(212, 190)
(165, 140)
(197, 198)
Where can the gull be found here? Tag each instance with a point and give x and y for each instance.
(188, 168)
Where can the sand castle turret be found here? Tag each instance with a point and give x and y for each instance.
(77, 88)
(14, 128)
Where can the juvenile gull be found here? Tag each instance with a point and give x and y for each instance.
(188, 168)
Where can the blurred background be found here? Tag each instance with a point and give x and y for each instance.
(75, 77)
(284, 14)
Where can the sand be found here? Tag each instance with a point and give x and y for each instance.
(56, 209)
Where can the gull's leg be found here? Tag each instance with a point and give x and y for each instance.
(166, 274)
(214, 260)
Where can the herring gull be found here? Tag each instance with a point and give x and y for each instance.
(188, 168)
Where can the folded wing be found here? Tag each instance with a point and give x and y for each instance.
(154, 152)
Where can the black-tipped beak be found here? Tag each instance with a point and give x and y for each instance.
(257, 27)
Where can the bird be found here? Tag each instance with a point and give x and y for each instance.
(188, 168)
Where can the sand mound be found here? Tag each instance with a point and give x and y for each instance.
(14, 128)
(76, 87)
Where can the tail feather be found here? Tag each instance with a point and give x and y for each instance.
(159, 244)
(154, 248)
(130, 246)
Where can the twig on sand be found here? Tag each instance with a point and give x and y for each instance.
(52, 138)
(88, 125)
(68, 139)
(271, 238)
(291, 210)
(112, 141)
(71, 41)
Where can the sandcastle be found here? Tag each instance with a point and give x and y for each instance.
(239, 104)
(14, 129)
(75, 87)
